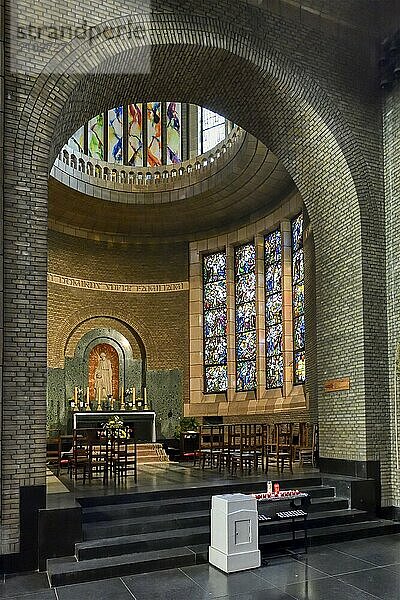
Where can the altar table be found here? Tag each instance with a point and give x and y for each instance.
(143, 422)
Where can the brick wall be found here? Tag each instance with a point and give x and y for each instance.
(160, 319)
(392, 179)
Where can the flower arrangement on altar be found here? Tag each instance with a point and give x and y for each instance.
(115, 427)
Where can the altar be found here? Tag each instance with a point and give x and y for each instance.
(143, 422)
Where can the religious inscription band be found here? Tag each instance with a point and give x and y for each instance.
(129, 288)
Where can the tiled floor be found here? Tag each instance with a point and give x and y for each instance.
(358, 570)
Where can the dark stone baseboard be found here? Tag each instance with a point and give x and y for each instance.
(350, 468)
(59, 530)
(31, 500)
(365, 495)
(390, 512)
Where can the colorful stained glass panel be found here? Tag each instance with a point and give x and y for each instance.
(77, 141)
(215, 322)
(298, 300)
(216, 351)
(273, 309)
(300, 367)
(96, 137)
(216, 379)
(174, 133)
(246, 289)
(299, 332)
(115, 135)
(214, 294)
(297, 233)
(154, 134)
(273, 340)
(275, 371)
(273, 276)
(135, 135)
(298, 267)
(246, 317)
(246, 378)
(246, 345)
(273, 247)
(245, 259)
(214, 267)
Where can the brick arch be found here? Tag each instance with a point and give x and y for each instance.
(80, 322)
(290, 113)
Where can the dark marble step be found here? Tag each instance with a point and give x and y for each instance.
(197, 491)
(152, 523)
(129, 544)
(202, 502)
(198, 534)
(66, 573)
(134, 522)
(331, 534)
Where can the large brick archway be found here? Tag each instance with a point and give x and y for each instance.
(254, 82)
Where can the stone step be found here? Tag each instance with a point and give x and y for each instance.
(196, 491)
(201, 501)
(195, 530)
(67, 573)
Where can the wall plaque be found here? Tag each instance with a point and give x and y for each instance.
(337, 385)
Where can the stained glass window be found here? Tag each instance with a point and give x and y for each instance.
(273, 309)
(135, 135)
(96, 137)
(115, 135)
(174, 131)
(246, 335)
(215, 319)
(77, 141)
(298, 300)
(154, 134)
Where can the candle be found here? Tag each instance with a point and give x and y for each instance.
(122, 393)
(76, 394)
(133, 395)
(145, 395)
(87, 396)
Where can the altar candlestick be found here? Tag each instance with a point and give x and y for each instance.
(145, 399)
(76, 395)
(87, 400)
(133, 395)
(122, 407)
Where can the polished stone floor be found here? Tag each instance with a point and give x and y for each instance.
(357, 570)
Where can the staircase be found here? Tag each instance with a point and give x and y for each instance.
(151, 531)
(150, 453)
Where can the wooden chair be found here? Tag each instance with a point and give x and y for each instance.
(53, 450)
(280, 447)
(247, 452)
(79, 459)
(99, 457)
(124, 458)
(308, 443)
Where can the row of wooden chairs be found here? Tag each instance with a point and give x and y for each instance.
(247, 447)
(95, 454)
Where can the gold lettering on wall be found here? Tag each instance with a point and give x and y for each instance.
(128, 288)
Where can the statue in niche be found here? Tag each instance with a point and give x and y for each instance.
(103, 378)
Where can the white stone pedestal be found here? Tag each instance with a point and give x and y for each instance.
(234, 533)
